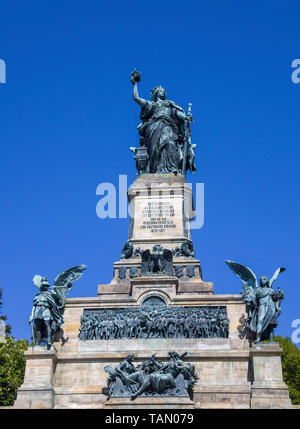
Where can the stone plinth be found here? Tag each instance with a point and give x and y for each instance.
(80, 376)
(268, 389)
(37, 389)
(149, 402)
(129, 289)
(160, 345)
(230, 373)
(222, 370)
(222, 396)
(185, 283)
(160, 210)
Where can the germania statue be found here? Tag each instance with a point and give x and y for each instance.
(165, 138)
(46, 316)
(263, 301)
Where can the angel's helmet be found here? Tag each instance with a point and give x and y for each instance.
(264, 281)
(41, 282)
(158, 92)
(44, 283)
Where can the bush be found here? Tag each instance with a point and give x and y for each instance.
(290, 367)
(12, 369)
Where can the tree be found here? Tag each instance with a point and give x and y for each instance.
(12, 365)
(290, 367)
(2, 317)
(12, 368)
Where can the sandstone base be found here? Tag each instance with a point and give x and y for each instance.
(268, 389)
(231, 373)
(37, 390)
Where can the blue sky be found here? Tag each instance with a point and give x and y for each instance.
(67, 119)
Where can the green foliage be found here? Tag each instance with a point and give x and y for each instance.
(12, 368)
(290, 367)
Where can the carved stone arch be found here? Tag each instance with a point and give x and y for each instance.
(154, 292)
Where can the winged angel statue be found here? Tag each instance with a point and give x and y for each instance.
(263, 301)
(46, 317)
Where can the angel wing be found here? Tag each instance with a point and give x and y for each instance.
(248, 278)
(276, 274)
(146, 254)
(168, 255)
(244, 273)
(146, 260)
(168, 262)
(70, 275)
(63, 282)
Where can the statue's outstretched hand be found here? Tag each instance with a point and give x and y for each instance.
(135, 76)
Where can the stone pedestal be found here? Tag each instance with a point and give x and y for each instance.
(268, 389)
(161, 209)
(150, 402)
(37, 389)
(222, 396)
(221, 363)
(230, 373)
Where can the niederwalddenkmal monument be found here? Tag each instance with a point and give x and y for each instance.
(157, 335)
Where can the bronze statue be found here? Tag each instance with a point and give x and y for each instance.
(127, 250)
(154, 320)
(151, 377)
(263, 301)
(165, 141)
(159, 261)
(46, 318)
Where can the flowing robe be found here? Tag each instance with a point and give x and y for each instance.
(161, 130)
(46, 307)
(265, 312)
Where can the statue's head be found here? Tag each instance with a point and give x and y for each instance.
(264, 282)
(158, 92)
(173, 355)
(130, 357)
(44, 284)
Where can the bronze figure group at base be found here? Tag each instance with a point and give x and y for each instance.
(151, 377)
